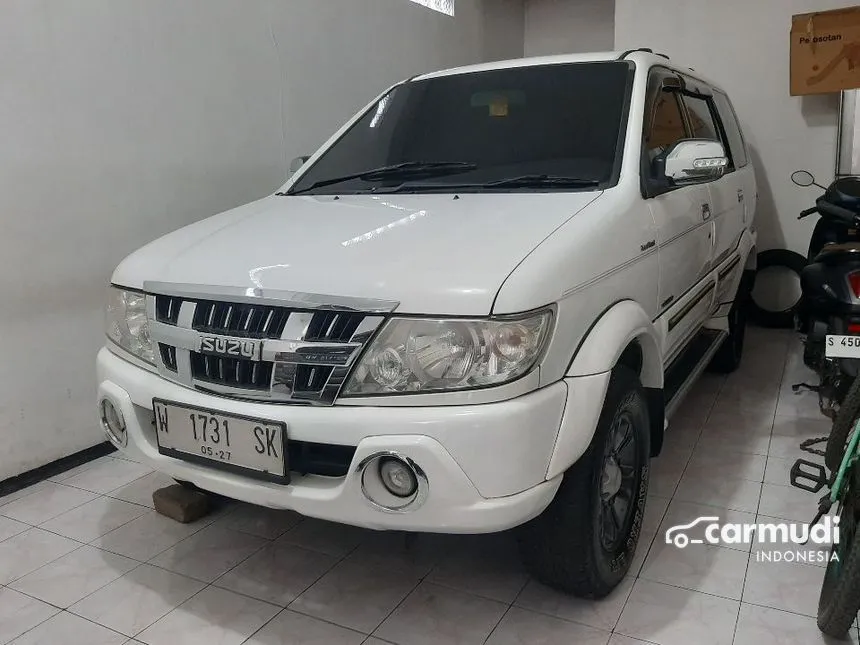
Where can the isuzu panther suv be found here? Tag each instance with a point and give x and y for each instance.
(472, 309)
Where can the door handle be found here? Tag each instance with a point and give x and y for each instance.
(706, 212)
(740, 195)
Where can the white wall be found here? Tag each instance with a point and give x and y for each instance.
(744, 46)
(504, 28)
(569, 26)
(124, 119)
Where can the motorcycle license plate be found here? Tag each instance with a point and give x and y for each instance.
(842, 346)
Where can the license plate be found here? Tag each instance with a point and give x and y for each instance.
(842, 346)
(250, 446)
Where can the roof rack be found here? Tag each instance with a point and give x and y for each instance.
(647, 50)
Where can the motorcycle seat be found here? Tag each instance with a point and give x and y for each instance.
(838, 253)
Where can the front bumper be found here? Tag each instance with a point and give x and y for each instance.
(485, 464)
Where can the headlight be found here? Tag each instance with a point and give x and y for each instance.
(423, 355)
(126, 324)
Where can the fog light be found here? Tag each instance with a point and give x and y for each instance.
(397, 477)
(113, 423)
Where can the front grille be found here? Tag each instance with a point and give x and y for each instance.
(311, 378)
(233, 372)
(333, 326)
(168, 356)
(300, 355)
(237, 319)
(167, 309)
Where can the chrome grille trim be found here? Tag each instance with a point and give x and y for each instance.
(273, 297)
(307, 362)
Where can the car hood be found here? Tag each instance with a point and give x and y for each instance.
(434, 254)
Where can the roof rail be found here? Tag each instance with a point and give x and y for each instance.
(647, 50)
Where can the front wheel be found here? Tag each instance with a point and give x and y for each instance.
(584, 542)
(840, 592)
(843, 424)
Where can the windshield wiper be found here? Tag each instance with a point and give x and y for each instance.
(523, 181)
(405, 169)
(526, 181)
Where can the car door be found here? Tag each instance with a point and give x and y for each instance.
(726, 193)
(739, 192)
(682, 215)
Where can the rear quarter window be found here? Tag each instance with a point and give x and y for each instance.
(737, 145)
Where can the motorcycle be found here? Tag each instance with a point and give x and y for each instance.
(829, 309)
(829, 313)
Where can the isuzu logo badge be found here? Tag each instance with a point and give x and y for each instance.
(232, 347)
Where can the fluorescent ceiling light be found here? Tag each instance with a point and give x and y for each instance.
(442, 6)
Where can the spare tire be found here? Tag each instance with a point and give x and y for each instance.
(776, 294)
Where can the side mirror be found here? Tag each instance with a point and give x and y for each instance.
(695, 160)
(297, 163)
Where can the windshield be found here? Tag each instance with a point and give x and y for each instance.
(548, 127)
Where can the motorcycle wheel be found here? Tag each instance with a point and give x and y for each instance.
(843, 424)
(840, 592)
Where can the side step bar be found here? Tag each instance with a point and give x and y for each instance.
(683, 372)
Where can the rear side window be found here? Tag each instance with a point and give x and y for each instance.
(702, 124)
(737, 146)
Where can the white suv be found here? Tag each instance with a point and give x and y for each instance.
(472, 309)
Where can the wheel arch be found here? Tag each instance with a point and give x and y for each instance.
(623, 335)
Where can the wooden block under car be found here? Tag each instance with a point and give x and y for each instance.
(180, 503)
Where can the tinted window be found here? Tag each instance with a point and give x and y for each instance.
(562, 120)
(737, 146)
(702, 123)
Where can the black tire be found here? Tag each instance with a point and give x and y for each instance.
(774, 258)
(844, 422)
(839, 601)
(729, 355)
(567, 547)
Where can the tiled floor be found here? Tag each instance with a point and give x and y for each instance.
(85, 561)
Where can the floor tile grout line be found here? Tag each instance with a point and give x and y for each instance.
(627, 598)
(773, 422)
(499, 622)
(207, 582)
(42, 525)
(397, 606)
(59, 611)
(112, 490)
(563, 618)
(741, 603)
(89, 466)
(63, 611)
(320, 577)
(241, 593)
(149, 561)
(785, 611)
(71, 508)
(45, 564)
(447, 585)
(698, 437)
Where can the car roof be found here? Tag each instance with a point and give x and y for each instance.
(640, 58)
